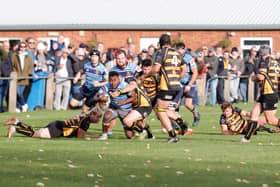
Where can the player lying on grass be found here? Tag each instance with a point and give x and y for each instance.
(74, 127)
(232, 121)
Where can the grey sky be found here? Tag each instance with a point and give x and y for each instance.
(140, 12)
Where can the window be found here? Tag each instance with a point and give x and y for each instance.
(49, 41)
(145, 42)
(246, 43)
(12, 40)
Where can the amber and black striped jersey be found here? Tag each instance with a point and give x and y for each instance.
(170, 61)
(270, 69)
(142, 100)
(235, 123)
(70, 127)
(150, 85)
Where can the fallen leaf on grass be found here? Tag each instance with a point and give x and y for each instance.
(90, 175)
(148, 146)
(228, 167)
(242, 180)
(69, 161)
(40, 184)
(245, 181)
(186, 150)
(71, 166)
(167, 167)
(179, 173)
(208, 169)
(198, 159)
(100, 156)
(147, 176)
(132, 176)
(243, 163)
(98, 175)
(45, 178)
(238, 180)
(41, 150)
(264, 185)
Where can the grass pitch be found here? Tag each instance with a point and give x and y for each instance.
(204, 159)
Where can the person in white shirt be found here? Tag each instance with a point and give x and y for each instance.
(63, 84)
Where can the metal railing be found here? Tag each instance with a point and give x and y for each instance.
(50, 89)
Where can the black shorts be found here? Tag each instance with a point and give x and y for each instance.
(189, 94)
(144, 111)
(167, 95)
(268, 101)
(54, 129)
(154, 101)
(84, 92)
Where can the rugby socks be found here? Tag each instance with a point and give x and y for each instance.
(194, 110)
(183, 125)
(22, 125)
(251, 129)
(149, 132)
(26, 132)
(136, 128)
(172, 133)
(24, 129)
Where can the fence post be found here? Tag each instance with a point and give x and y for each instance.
(226, 90)
(13, 92)
(251, 90)
(49, 91)
(201, 83)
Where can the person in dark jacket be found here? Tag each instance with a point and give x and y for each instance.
(5, 71)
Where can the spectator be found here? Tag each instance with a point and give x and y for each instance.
(53, 49)
(211, 62)
(5, 71)
(249, 66)
(63, 85)
(41, 62)
(222, 73)
(61, 42)
(151, 51)
(31, 48)
(79, 62)
(235, 70)
(23, 66)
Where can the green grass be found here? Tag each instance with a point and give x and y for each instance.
(204, 159)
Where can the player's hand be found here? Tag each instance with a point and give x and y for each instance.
(75, 80)
(115, 94)
(260, 77)
(121, 102)
(187, 89)
(96, 83)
